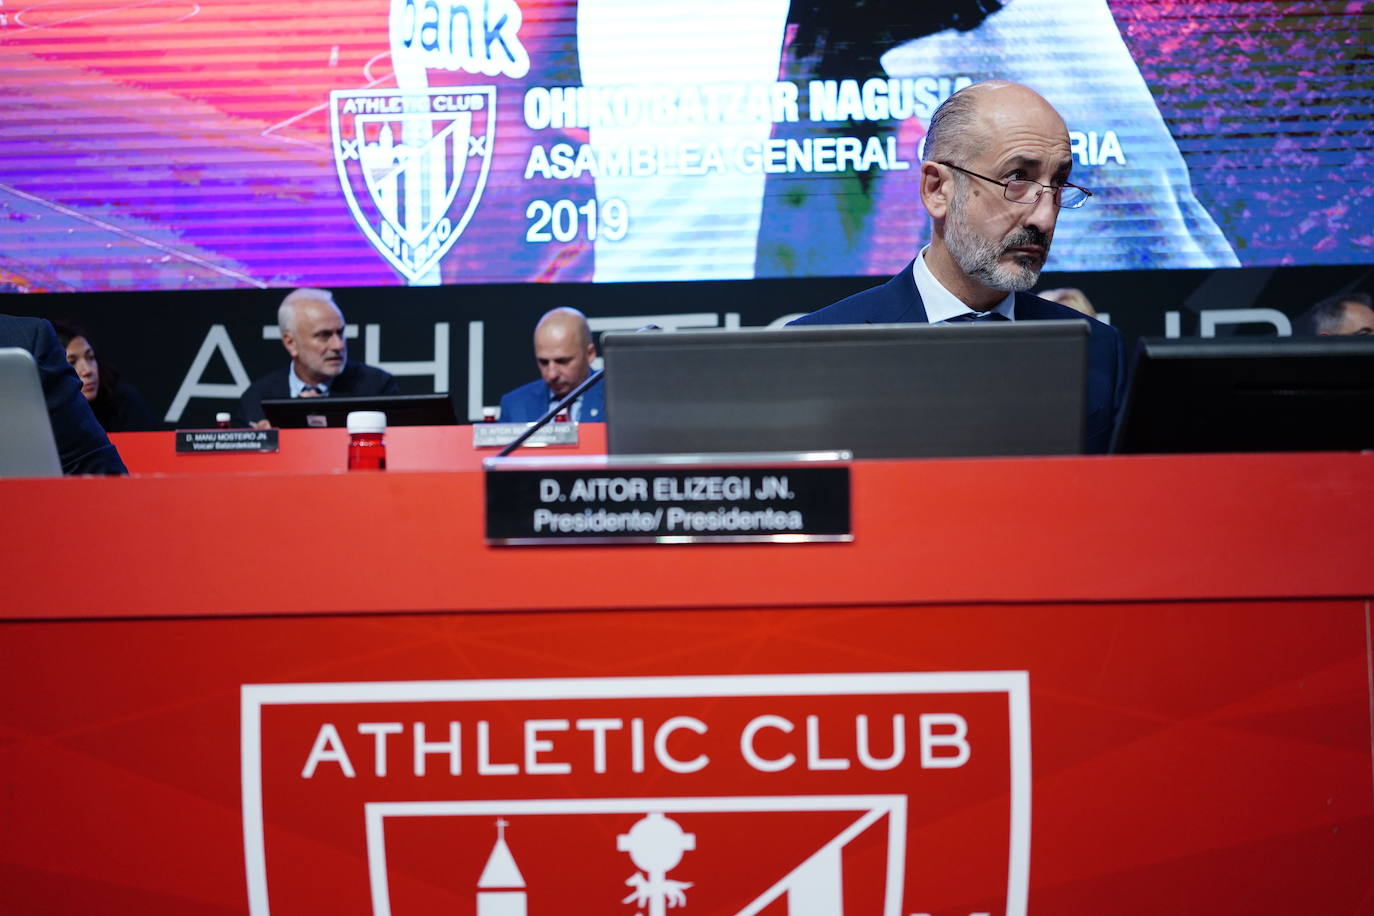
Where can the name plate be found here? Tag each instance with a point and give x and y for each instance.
(637, 500)
(205, 441)
(499, 435)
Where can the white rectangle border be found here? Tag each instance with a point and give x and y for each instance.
(873, 806)
(1016, 684)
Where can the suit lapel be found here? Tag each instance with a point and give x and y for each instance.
(900, 302)
(1033, 308)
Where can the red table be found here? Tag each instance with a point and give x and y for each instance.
(1086, 685)
(409, 448)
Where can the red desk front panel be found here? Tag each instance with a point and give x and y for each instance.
(1091, 758)
(409, 448)
(1074, 686)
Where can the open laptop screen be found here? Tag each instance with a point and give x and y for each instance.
(27, 448)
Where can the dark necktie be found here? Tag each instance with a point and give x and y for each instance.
(978, 316)
(311, 391)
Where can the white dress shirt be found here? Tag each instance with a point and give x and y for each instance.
(942, 305)
(297, 384)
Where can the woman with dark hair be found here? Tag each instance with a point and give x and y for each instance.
(116, 404)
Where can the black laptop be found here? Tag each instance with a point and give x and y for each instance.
(905, 390)
(400, 410)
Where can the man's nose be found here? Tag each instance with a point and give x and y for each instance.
(1044, 211)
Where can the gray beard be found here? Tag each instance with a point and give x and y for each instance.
(979, 258)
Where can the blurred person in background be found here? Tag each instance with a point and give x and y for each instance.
(82, 446)
(118, 406)
(1073, 298)
(1346, 315)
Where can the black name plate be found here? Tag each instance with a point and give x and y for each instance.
(205, 441)
(669, 505)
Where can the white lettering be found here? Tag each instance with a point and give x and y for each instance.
(453, 747)
(484, 764)
(814, 760)
(751, 754)
(436, 368)
(898, 743)
(599, 728)
(954, 738)
(379, 731)
(670, 762)
(328, 748)
(193, 387)
(474, 38)
(637, 745)
(535, 745)
(1210, 319)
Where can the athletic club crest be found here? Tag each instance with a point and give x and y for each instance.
(413, 165)
(860, 794)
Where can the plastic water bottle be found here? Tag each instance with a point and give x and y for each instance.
(367, 440)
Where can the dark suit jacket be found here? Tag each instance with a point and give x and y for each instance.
(123, 410)
(899, 302)
(82, 444)
(530, 402)
(357, 380)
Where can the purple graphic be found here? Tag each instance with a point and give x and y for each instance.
(175, 145)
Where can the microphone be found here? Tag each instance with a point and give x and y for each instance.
(553, 411)
(558, 408)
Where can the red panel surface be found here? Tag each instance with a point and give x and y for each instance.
(409, 448)
(1245, 526)
(1184, 758)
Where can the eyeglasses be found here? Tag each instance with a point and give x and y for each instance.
(1024, 191)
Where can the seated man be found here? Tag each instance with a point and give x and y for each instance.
(995, 175)
(564, 351)
(82, 445)
(1343, 316)
(312, 330)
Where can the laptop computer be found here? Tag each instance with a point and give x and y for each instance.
(27, 447)
(400, 410)
(908, 390)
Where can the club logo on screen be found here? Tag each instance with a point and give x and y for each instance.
(413, 165)
(881, 794)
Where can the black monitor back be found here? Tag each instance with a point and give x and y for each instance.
(910, 390)
(1274, 394)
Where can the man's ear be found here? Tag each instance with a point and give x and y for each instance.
(288, 340)
(936, 189)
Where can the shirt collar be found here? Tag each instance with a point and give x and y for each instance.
(941, 304)
(297, 384)
(574, 412)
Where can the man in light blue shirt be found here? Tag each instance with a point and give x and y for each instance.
(312, 331)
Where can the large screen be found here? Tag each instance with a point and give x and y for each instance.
(172, 144)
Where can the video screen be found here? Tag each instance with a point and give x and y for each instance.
(174, 144)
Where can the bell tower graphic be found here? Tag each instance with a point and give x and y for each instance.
(501, 888)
